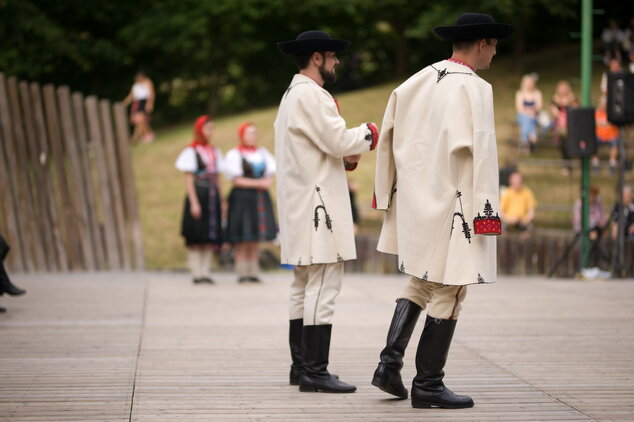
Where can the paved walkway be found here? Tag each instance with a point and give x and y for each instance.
(154, 347)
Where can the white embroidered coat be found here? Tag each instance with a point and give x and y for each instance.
(313, 202)
(436, 167)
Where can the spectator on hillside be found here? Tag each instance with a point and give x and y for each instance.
(141, 99)
(612, 38)
(628, 44)
(562, 99)
(528, 103)
(517, 206)
(597, 218)
(607, 134)
(614, 67)
(628, 210)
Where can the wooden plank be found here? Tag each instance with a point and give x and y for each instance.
(26, 190)
(112, 252)
(79, 179)
(67, 214)
(115, 182)
(72, 351)
(8, 187)
(84, 152)
(128, 185)
(45, 160)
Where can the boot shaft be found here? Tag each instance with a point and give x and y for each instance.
(432, 352)
(295, 340)
(316, 349)
(406, 315)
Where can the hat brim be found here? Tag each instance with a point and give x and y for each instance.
(475, 31)
(300, 47)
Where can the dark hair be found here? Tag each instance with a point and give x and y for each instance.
(463, 45)
(302, 60)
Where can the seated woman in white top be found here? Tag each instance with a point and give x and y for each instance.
(251, 219)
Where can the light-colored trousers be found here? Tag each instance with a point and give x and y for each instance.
(442, 301)
(313, 292)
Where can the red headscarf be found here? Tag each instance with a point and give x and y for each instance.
(199, 136)
(241, 146)
(201, 145)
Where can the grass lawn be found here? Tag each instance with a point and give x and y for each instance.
(161, 187)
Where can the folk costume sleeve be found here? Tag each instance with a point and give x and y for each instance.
(186, 161)
(385, 176)
(233, 164)
(319, 120)
(486, 203)
(270, 162)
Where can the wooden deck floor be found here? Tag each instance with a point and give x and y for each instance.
(154, 347)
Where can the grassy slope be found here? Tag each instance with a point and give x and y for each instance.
(161, 186)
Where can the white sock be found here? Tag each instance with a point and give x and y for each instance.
(193, 260)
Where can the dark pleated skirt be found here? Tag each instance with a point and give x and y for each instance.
(207, 229)
(251, 216)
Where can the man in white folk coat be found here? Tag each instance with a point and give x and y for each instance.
(437, 179)
(312, 146)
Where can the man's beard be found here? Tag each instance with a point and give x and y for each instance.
(329, 77)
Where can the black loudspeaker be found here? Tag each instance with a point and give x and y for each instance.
(582, 139)
(620, 98)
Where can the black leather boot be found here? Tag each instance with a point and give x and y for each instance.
(295, 343)
(5, 284)
(388, 374)
(428, 389)
(315, 351)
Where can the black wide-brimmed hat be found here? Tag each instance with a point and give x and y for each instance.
(474, 26)
(310, 42)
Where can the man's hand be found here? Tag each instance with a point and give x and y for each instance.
(373, 136)
(350, 162)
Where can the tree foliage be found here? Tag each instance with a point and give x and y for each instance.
(221, 55)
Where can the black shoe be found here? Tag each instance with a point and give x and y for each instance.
(254, 279)
(387, 376)
(428, 389)
(207, 280)
(243, 279)
(198, 280)
(295, 343)
(315, 350)
(2, 310)
(5, 284)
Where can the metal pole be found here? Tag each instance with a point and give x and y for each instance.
(586, 85)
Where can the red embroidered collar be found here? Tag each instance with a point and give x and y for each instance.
(462, 63)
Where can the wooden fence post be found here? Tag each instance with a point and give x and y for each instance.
(115, 181)
(112, 251)
(85, 151)
(47, 188)
(128, 185)
(16, 153)
(78, 180)
(67, 212)
(9, 185)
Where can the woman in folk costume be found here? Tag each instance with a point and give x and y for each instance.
(201, 226)
(251, 219)
(437, 180)
(312, 143)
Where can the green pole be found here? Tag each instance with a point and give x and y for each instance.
(586, 101)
